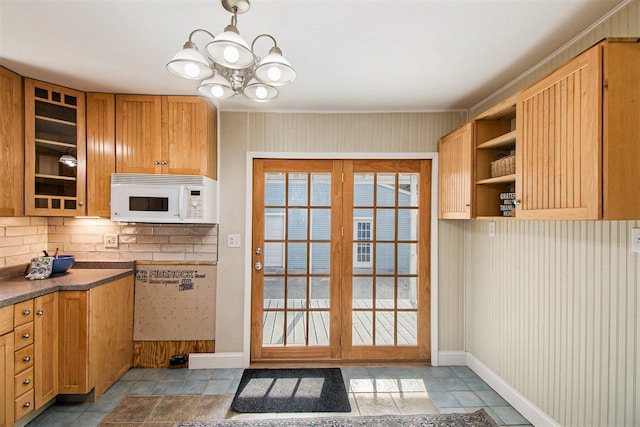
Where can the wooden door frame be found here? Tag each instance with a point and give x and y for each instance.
(248, 256)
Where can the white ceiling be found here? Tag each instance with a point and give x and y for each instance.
(350, 55)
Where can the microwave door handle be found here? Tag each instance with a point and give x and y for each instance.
(182, 203)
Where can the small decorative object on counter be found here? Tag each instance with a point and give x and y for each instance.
(40, 268)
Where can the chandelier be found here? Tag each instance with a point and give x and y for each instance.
(232, 66)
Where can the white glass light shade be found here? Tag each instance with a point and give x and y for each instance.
(68, 160)
(274, 69)
(190, 64)
(216, 87)
(230, 50)
(260, 92)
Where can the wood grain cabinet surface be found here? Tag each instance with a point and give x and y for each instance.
(12, 150)
(455, 173)
(46, 348)
(578, 138)
(165, 135)
(101, 152)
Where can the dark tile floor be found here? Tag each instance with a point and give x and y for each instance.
(160, 397)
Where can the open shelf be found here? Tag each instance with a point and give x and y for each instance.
(502, 141)
(505, 179)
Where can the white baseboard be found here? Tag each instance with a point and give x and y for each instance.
(452, 358)
(216, 360)
(528, 409)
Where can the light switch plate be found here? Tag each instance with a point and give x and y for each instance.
(492, 229)
(635, 239)
(233, 240)
(110, 240)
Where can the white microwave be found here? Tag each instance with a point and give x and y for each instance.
(165, 199)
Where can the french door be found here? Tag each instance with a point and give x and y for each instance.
(341, 259)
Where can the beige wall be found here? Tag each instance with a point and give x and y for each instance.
(553, 306)
(332, 133)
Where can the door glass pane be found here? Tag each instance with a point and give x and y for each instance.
(319, 328)
(273, 224)
(296, 328)
(385, 328)
(320, 258)
(408, 189)
(385, 293)
(407, 258)
(320, 224)
(385, 258)
(296, 293)
(363, 189)
(385, 224)
(274, 189)
(298, 189)
(320, 189)
(407, 292)
(297, 224)
(319, 292)
(273, 293)
(273, 328)
(362, 293)
(273, 258)
(363, 258)
(386, 189)
(297, 258)
(407, 328)
(408, 224)
(362, 327)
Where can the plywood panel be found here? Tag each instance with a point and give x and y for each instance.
(174, 302)
(156, 354)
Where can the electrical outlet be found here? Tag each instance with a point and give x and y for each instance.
(110, 240)
(492, 229)
(635, 239)
(233, 240)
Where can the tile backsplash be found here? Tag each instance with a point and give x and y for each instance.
(22, 238)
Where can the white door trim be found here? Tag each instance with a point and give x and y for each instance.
(251, 155)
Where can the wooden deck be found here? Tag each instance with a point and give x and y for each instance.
(362, 327)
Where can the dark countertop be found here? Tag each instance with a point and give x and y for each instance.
(81, 277)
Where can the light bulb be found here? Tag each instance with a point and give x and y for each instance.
(274, 74)
(191, 70)
(231, 54)
(217, 91)
(261, 92)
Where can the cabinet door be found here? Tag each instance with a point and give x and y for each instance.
(101, 152)
(138, 134)
(6, 380)
(455, 165)
(189, 136)
(74, 340)
(55, 150)
(559, 143)
(12, 143)
(46, 349)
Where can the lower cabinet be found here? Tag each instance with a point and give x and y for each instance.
(6, 379)
(46, 349)
(96, 337)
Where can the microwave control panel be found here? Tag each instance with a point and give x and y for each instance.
(194, 204)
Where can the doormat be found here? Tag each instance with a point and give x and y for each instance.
(480, 418)
(291, 390)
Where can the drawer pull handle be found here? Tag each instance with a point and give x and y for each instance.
(26, 358)
(25, 336)
(26, 312)
(27, 381)
(27, 404)
(39, 312)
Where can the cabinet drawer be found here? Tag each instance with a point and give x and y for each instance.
(24, 404)
(24, 359)
(6, 320)
(23, 335)
(23, 382)
(23, 312)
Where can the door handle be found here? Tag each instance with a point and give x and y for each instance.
(258, 266)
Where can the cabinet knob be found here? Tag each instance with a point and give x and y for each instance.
(25, 336)
(164, 162)
(516, 202)
(39, 312)
(26, 312)
(27, 404)
(26, 359)
(157, 162)
(26, 382)
(466, 205)
(81, 203)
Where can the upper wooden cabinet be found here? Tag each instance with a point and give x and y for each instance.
(55, 162)
(11, 143)
(101, 152)
(578, 138)
(455, 166)
(165, 134)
